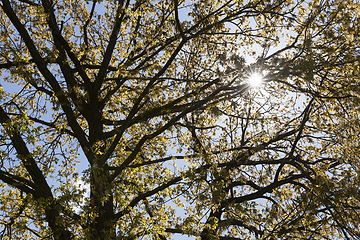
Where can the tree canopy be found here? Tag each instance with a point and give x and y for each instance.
(153, 100)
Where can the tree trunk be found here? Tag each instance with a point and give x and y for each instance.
(102, 225)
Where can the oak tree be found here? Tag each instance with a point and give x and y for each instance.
(149, 105)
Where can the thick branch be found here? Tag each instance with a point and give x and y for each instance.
(43, 189)
(120, 14)
(18, 182)
(143, 196)
(40, 63)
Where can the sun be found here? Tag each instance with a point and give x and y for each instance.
(255, 80)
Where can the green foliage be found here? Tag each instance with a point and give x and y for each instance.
(152, 96)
